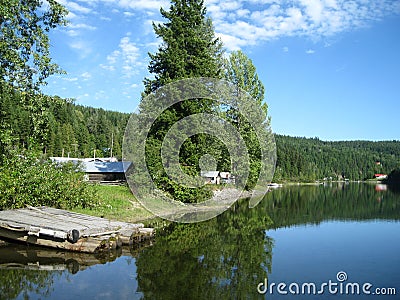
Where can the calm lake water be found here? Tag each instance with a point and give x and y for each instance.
(297, 238)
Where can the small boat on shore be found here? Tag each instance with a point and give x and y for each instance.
(274, 185)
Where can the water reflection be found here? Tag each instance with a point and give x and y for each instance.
(228, 256)
(314, 204)
(27, 271)
(221, 258)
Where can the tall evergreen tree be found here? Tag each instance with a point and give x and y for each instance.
(189, 49)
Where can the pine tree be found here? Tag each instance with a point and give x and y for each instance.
(189, 49)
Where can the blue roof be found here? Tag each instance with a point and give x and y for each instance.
(105, 167)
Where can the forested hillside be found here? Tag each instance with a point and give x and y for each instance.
(302, 159)
(65, 128)
(77, 130)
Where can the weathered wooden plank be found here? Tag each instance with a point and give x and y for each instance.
(67, 230)
(61, 220)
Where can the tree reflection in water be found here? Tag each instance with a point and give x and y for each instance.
(225, 258)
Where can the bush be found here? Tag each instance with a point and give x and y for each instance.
(393, 180)
(25, 180)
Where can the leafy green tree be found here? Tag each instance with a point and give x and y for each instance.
(24, 44)
(241, 72)
(25, 61)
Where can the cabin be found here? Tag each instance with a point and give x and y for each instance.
(380, 176)
(211, 177)
(99, 169)
(216, 177)
(226, 177)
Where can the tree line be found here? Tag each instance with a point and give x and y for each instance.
(66, 130)
(310, 159)
(79, 131)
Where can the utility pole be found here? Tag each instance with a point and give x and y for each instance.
(75, 145)
(112, 144)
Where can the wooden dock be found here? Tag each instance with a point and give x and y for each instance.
(56, 228)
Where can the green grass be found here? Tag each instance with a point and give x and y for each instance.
(117, 203)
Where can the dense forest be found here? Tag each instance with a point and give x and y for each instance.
(66, 129)
(77, 131)
(305, 159)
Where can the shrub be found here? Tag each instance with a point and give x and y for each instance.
(393, 180)
(26, 180)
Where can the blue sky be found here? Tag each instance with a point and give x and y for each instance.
(331, 68)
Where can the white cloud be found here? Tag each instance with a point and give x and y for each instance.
(75, 7)
(76, 29)
(143, 4)
(285, 49)
(70, 79)
(86, 75)
(129, 14)
(310, 51)
(81, 47)
(113, 57)
(105, 18)
(81, 26)
(125, 58)
(261, 20)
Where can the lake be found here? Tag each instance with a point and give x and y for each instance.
(300, 242)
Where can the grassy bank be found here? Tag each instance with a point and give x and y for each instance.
(117, 203)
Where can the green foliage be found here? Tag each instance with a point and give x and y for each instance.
(302, 159)
(189, 49)
(25, 64)
(25, 180)
(58, 127)
(241, 72)
(393, 180)
(24, 43)
(20, 283)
